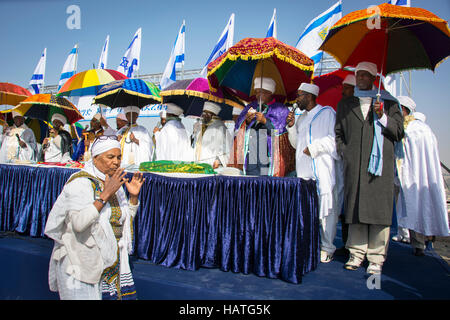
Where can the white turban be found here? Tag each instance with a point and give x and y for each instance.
(122, 116)
(211, 107)
(367, 66)
(266, 84)
(163, 114)
(310, 88)
(16, 114)
(236, 111)
(103, 145)
(174, 109)
(350, 79)
(60, 117)
(97, 116)
(407, 102)
(131, 109)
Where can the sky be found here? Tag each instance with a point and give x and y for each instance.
(27, 27)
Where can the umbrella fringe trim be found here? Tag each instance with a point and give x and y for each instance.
(261, 56)
(48, 104)
(203, 95)
(142, 95)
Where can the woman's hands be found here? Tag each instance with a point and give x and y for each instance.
(134, 187)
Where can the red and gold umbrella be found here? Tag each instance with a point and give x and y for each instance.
(395, 38)
(12, 94)
(235, 70)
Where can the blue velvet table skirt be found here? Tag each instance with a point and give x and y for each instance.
(260, 225)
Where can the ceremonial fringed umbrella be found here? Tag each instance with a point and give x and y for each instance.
(12, 94)
(190, 95)
(43, 106)
(330, 87)
(128, 92)
(395, 38)
(89, 82)
(235, 70)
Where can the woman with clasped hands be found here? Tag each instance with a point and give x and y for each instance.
(91, 224)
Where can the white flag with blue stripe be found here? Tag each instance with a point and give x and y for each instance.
(403, 3)
(70, 67)
(224, 43)
(316, 32)
(129, 64)
(176, 59)
(103, 62)
(272, 31)
(37, 79)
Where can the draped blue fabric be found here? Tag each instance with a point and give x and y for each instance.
(261, 225)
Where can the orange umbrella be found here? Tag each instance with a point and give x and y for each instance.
(12, 94)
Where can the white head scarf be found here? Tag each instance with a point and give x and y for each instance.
(60, 117)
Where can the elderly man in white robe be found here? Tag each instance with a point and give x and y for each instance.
(313, 138)
(422, 204)
(58, 148)
(19, 142)
(91, 225)
(172, 141)
(212, 142)
(135, 140)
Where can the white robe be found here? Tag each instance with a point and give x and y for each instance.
(10, 150)
(215, 143)
(133, 154)
(421, 204)
(53, 151)
(173, 143)
(315, 130)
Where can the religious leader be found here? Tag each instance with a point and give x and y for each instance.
(135, 140)
(314, 139)
(422, 204)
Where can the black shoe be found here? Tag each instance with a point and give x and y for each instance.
(419, 252)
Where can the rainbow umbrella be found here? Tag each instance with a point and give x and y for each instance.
(235, 70)
(12, 94)
(190, 95)
(128, 92)
(395, 38)
(43, 106)
(89, 82)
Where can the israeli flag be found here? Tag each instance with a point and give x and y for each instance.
(403, 3)
(272, 31)
(37, 79)
(316, 32)
(129, 64)
(224, 43)
(176, 60)
(70, 67)
(102, 63)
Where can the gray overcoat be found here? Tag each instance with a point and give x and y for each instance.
(368, 199)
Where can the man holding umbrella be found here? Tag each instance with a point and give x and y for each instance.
(19, 142)
(366, 130)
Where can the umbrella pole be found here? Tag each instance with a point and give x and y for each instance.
(382, 65)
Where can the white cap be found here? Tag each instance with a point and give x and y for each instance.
(266, 84)
(420, 116)
(407, 102)
(236, 111)
(122, 116)
(131, 109)
(60, 117)
(367, 66)
(310, 88)
(173, 109)
(163, 114)
(350, 79)
(97, 116)
(101, 146)
(16, 114)
(211, 107)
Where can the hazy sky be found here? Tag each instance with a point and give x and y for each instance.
(27, 27)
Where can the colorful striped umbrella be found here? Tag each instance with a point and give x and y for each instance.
(12, 94)
(235, 70)
(43, 106)
(89, 82)
(190, 95)
(128, 92)
(395, 38)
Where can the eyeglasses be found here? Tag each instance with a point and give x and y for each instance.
(104, 137)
